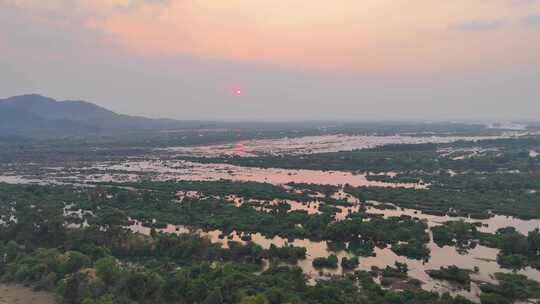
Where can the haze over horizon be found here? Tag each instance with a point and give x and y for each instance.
(241, 59)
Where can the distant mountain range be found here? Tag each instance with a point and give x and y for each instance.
(36, 115)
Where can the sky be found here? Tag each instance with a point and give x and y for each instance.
(278, 60)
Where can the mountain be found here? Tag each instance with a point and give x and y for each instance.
(36, 115)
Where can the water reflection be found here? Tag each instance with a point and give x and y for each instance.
(131, 170)
(480, 256)
(161, 170)
(490, 225)
(317, 144)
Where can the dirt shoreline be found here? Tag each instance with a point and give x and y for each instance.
(17, 294)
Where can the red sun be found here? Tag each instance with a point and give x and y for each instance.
(235, 90)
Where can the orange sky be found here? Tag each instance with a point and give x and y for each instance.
(402, 55)
(365, 35)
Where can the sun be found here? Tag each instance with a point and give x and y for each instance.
(236, 90)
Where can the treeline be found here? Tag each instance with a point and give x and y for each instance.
(469, 203)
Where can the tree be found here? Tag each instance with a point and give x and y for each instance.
(107, 269)
(514, 243)
(257, 299)
(533, 239)
(71, 288)
(135, 286)
(72, 261)
(197, 289)
(492, 298)
(175, 286)
(214, 297)
(105, 299)
(11, 251)
(402, 267)
(2, 258)
(153, 286)
(349, 263)
(275, 295)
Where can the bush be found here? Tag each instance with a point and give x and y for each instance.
(349, 263)
(329, 262)
(451, 273)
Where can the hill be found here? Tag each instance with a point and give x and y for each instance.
(36, 115)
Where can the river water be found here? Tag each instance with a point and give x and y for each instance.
(319, 144)
(156, 168)
(480, 256)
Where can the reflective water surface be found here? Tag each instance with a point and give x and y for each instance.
(319, 144)
(156, 168)
(480, 256)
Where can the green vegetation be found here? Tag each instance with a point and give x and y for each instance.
(382, 159)
(106, 263)
(503, 179)
(441, 201)
(76, 241)
(461, 234)
(248, 190)
(349, 263)
(377, 229)
(413, 249)
(400, 271)
(212, 212)
(329, 262)
(156, 207)
(517, 250)
(396, 277)
(407, 236)
(511, 287)
(452, 274)
(409, 158)
(287, 253)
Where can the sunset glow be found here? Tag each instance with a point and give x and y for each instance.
(368, 53)
(263, 151)
(373, 35)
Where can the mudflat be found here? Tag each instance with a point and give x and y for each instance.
(16, 294)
